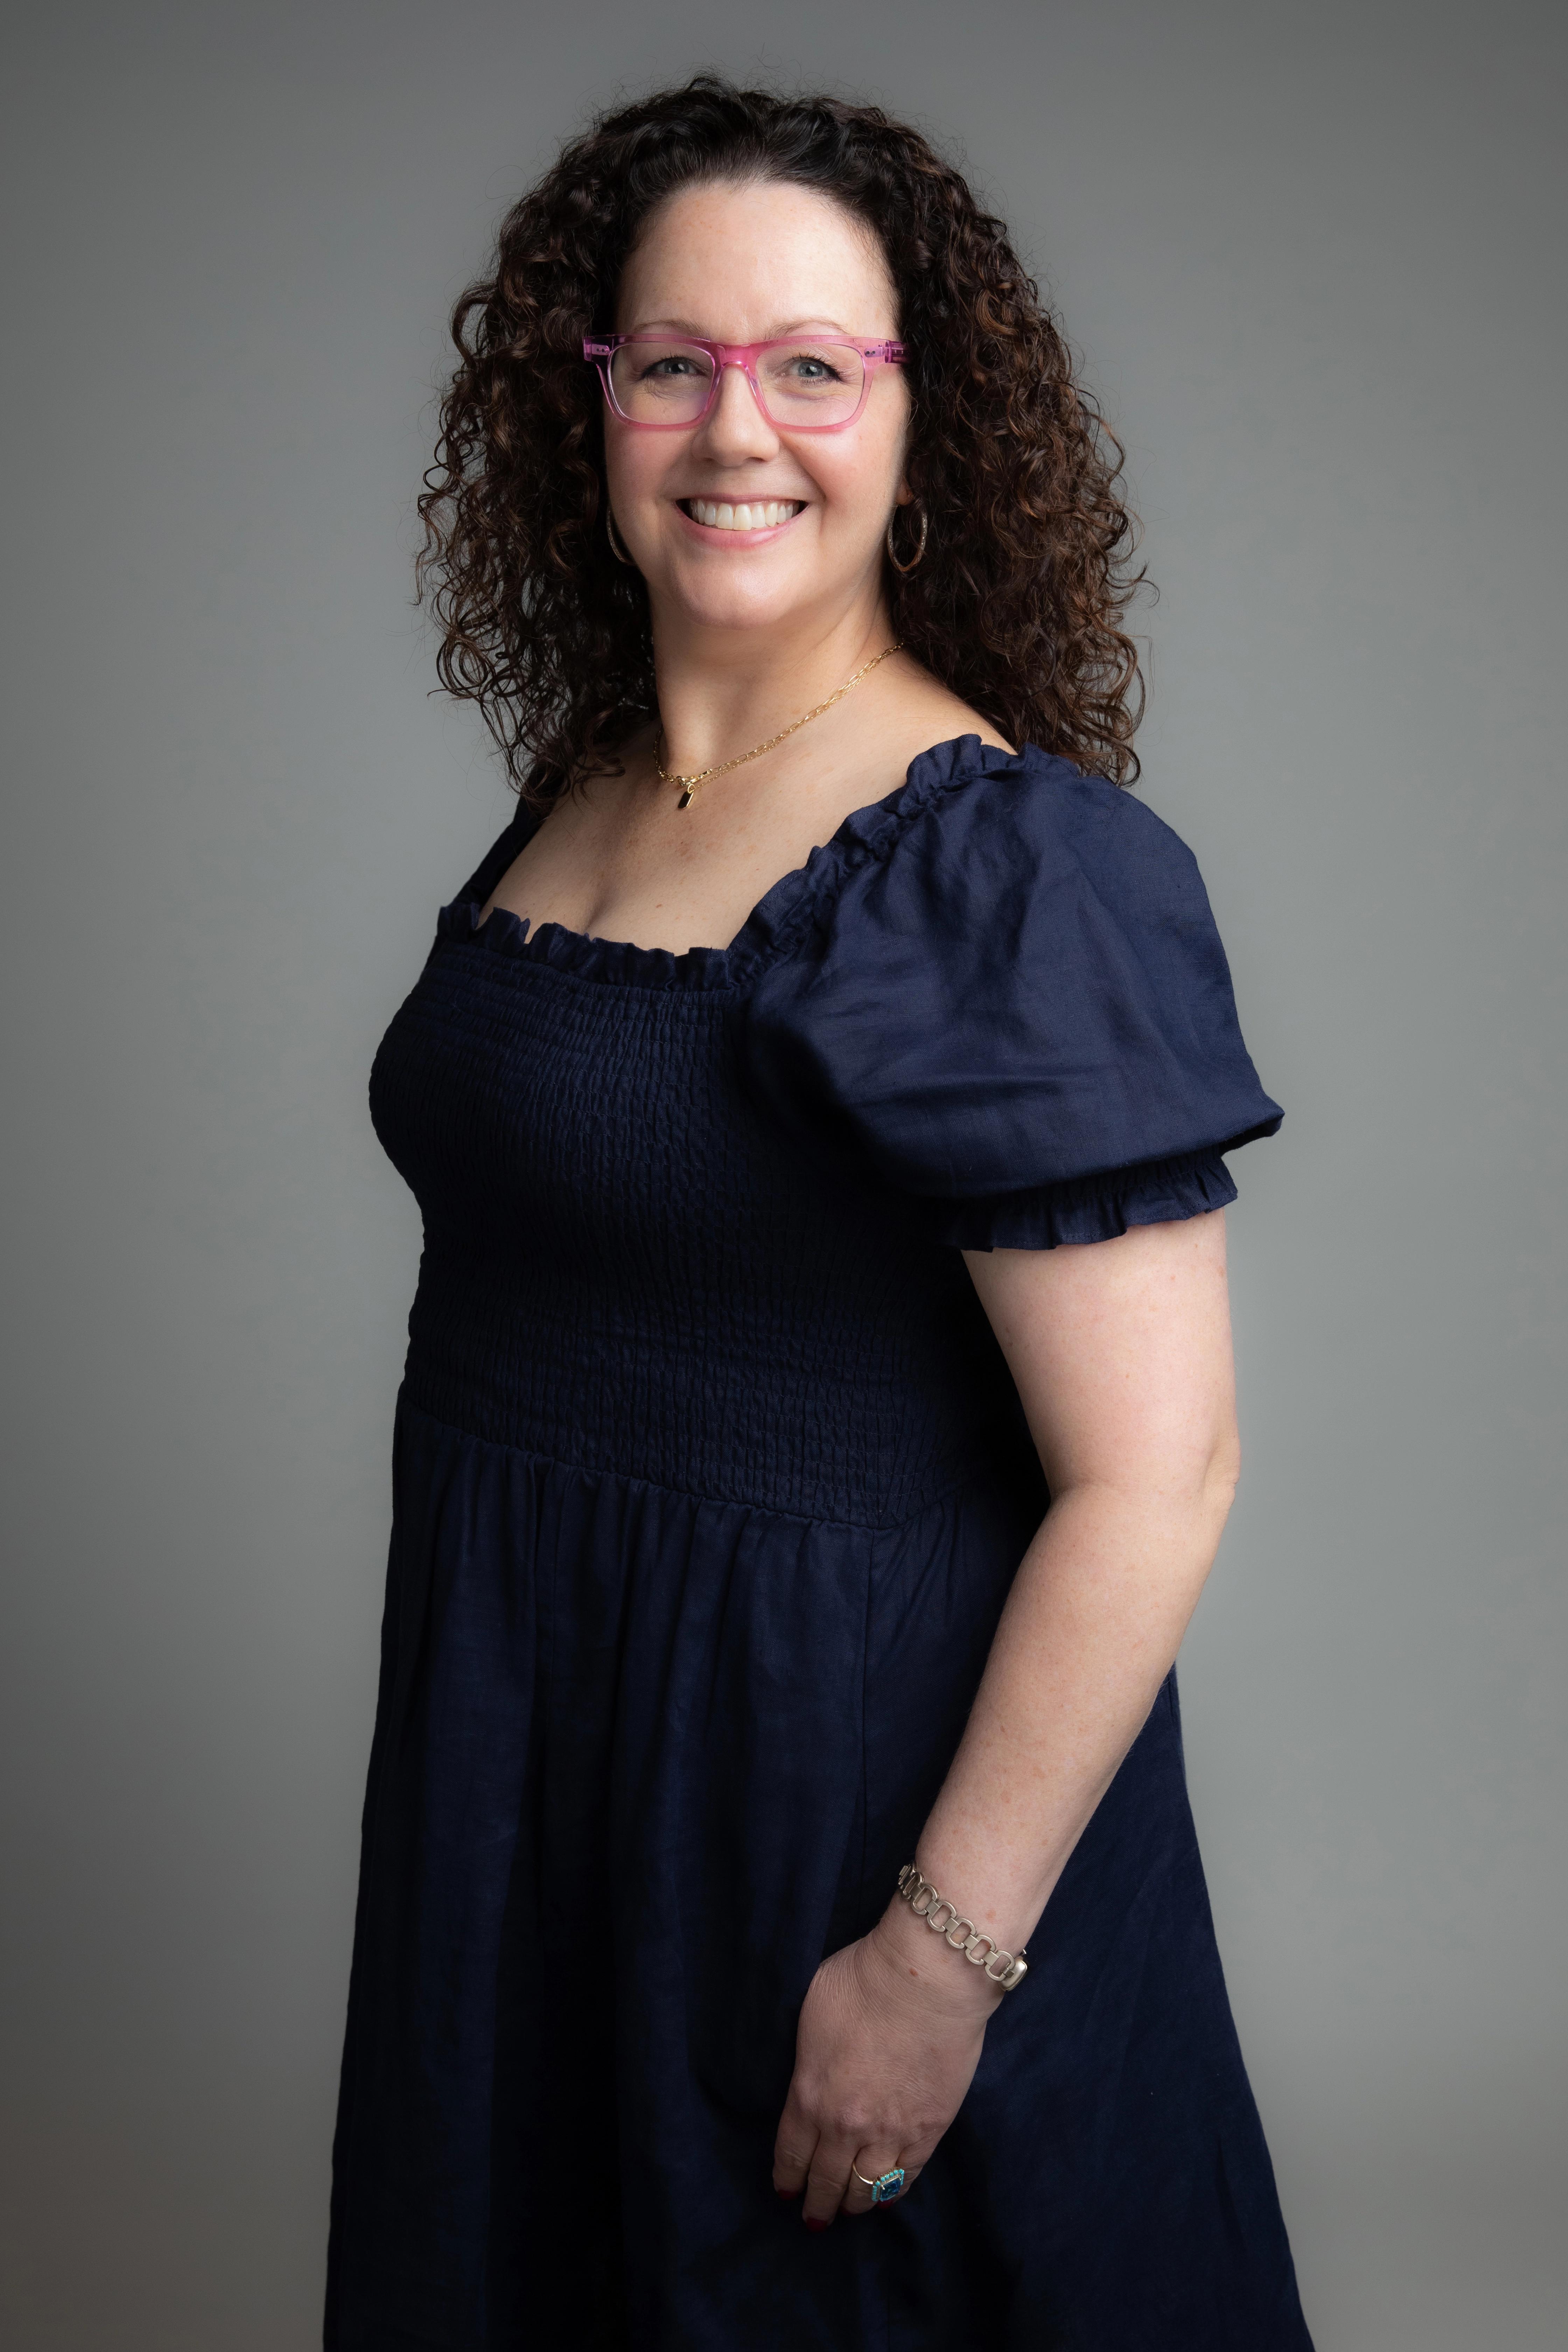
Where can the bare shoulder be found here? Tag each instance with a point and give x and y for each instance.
(926, 712)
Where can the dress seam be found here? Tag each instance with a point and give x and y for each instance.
(957, 1486)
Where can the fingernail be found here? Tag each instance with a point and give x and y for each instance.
(812, 2222)
(789, 2195)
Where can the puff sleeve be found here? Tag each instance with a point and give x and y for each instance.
(1003, 995)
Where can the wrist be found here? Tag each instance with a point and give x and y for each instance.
(1002, 1893)
(923, 1960)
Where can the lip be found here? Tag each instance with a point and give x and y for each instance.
(708, 535)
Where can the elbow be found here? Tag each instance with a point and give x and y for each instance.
(1220, 1474)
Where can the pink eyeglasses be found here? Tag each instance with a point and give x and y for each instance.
(801, 384)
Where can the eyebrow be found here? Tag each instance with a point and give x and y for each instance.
(696, 335)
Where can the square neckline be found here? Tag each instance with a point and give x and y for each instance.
(772, 922)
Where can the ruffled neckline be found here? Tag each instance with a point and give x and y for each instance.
(619, 962)
(780, 919)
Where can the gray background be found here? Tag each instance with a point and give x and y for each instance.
(1312, 259)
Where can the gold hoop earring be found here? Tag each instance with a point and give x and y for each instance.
(919, 551)
(610, 533)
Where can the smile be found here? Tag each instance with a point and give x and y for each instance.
(764, 514)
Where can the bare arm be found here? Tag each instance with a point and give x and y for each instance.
(1121, 1355)
(1121, 1350)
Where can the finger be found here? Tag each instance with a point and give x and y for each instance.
(873, 2164)
(826, 2183)
(792, 2151)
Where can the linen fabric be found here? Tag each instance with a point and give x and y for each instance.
(710, 1482)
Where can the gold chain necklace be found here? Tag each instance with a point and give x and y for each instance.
(689, 784)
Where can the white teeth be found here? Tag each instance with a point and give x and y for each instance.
(766, 515)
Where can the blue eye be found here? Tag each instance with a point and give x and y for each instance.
(811, 369)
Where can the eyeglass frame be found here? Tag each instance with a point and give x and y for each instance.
(600, 351)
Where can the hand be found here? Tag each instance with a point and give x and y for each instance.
(889, 2035)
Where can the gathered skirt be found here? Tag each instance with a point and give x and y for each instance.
(641, 1760)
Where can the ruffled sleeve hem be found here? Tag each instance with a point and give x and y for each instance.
(1086, 1208)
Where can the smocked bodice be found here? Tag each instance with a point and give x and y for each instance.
(627, 1267)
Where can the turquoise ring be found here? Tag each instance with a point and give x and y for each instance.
(886, 2186)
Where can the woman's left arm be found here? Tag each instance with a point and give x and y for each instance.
(1121, 1350)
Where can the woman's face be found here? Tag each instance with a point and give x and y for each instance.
(737, 263)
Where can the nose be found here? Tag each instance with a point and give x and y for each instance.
(735, 426)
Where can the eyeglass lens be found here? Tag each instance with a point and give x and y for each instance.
(808, 382)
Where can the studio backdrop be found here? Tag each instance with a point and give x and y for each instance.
(1309, 260)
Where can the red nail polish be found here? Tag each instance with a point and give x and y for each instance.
(789, 2195)
(812, 2222)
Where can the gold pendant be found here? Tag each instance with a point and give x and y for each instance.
(685, 800)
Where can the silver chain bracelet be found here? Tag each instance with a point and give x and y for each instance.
(926, 1904)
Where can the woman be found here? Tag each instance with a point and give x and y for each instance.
(772, 1287)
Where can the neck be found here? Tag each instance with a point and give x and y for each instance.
(722, 690)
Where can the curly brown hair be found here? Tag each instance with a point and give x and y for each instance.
(1019, 613)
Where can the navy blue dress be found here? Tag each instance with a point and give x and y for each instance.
(710, 1483)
